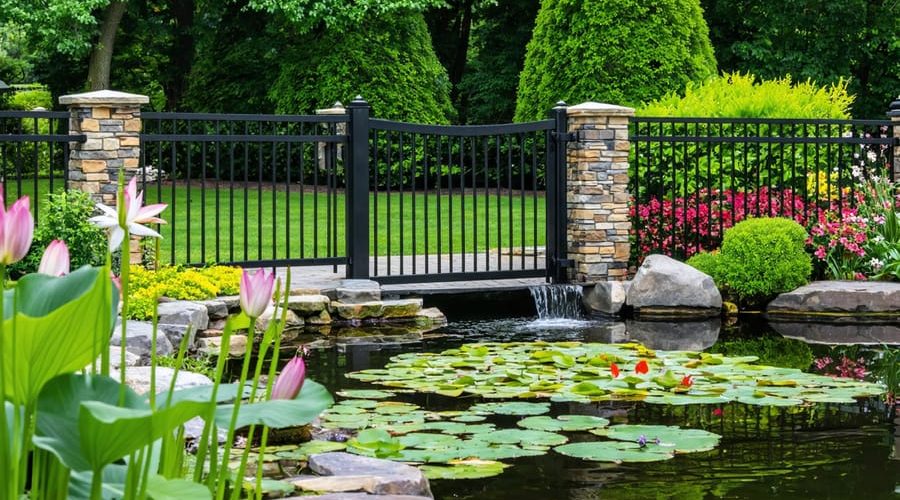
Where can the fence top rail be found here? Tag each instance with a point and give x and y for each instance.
(34, 114)
(42, 138)
(223, 117)
(760, 121)
(248, 138)
(463, 130)
(762, 139)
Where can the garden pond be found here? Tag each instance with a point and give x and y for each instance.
(828, 446)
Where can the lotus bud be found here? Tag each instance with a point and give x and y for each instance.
(290, 381)
(55, 261)
(256, 292)
(16, 230)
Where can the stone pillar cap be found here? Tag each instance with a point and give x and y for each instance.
(599, 109)
(104, 97)
(336, 109)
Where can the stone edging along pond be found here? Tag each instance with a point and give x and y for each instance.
(339, 313)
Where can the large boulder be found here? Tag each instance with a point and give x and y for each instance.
(138, 339)
(181, 316)
(665, 287)
(344, 472)
(606, 297)
(839, 301)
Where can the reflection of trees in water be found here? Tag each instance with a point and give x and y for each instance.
(807, 465)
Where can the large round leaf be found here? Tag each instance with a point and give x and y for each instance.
(614, 451)
(568, 423)
(669, 437)
(522, 436)
(513, 408)
(464, 469)
(280, 413)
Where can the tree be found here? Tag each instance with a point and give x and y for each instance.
(488, 87)
(402, 79)
(617, 51)
(821, 40)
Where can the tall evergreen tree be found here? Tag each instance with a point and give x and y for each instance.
(617, 51)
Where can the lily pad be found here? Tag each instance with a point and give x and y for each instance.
(668, 437)
(310, 448)
(365, 394)
(614, 451)
(522, 436)
(512, 408)
(568, 423)
(464, 469)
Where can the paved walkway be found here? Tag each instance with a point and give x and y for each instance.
(330, 276)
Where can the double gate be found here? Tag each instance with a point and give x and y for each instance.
(386, 200)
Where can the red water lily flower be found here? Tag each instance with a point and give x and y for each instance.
(687, 381)
(642, 367)
(718, 412)
(614, 370)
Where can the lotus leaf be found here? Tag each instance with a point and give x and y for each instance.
(464, 469)
(672, 438)
(513, 408)
(522, 436)
(614, 451)
(568, 423)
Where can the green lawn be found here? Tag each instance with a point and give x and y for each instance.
(283, 225)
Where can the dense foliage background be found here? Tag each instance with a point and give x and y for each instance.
(460, 61)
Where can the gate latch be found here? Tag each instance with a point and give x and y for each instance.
(565, 136)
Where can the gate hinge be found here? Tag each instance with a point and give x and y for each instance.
(565, 136)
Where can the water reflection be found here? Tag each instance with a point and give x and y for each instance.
(840, 334)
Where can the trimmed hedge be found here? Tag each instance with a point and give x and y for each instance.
(616, 51)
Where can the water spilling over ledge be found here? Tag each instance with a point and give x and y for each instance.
(557, 301)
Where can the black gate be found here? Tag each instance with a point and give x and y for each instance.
(446, 203)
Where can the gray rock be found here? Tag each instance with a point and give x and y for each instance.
(664, 283)
(115, 358)
(358, 291)
(291, 320)
(183, 312)
(138, 378)
(678, 336)
(430, 318)
(306, 305)
(606, 297)
(839, 334)
(846, 300)
(403, 308)
(176, 332)
(138, 339)
(212, 346)
(361, 310)
(232, 302)
(388, 478)
(216, 309)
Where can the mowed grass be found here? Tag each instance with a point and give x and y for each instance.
(210, 224)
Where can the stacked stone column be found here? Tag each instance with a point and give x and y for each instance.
(599, 223)
(111, 124)
(894, 115)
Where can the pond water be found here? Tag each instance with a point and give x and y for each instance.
(826, 451)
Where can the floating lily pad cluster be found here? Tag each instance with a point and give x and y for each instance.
(586, 372)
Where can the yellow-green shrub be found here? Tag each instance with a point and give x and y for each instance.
(147, 286)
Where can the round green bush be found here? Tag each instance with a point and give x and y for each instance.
(763, 257)
(706, 262)
(616, 51)
(388, 60)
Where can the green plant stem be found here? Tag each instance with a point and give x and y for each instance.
(125, 265)
(96, 484)
(245, 368)
(5, 446)
(210, 426)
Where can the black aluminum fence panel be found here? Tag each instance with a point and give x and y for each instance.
(256, 190)
(458, 202)
(692, 178)
(34, 154)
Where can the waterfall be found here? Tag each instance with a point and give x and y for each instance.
(557, 301)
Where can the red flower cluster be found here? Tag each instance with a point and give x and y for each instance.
(692, 224)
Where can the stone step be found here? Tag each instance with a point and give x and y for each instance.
(306, 305)
(403, 308)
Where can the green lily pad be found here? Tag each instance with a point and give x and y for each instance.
(365, 394)
(469, 418)
(676, 439)
(513, 408)
(522, 436)
(464, 469)
(568, 423)
(310, 448)
(614, 451)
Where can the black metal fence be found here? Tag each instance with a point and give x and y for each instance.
(260, 190)
(692, 178)
(34, 154)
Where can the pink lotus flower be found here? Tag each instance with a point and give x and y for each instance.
(131, 214)
(16, 230)
(290, 381)
(55, 261)
(256, 292)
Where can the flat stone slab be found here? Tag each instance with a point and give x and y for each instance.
(841, 300)
(403, 308)
(138, 378)
(364, 310)
(370, 475)
(358, 291)
(183, 312)
(306, 305)
(839, 333)
(212, 346)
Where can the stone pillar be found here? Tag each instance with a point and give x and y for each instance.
(599, 224)
(111, 123)
(340, 129)
(894, 115)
